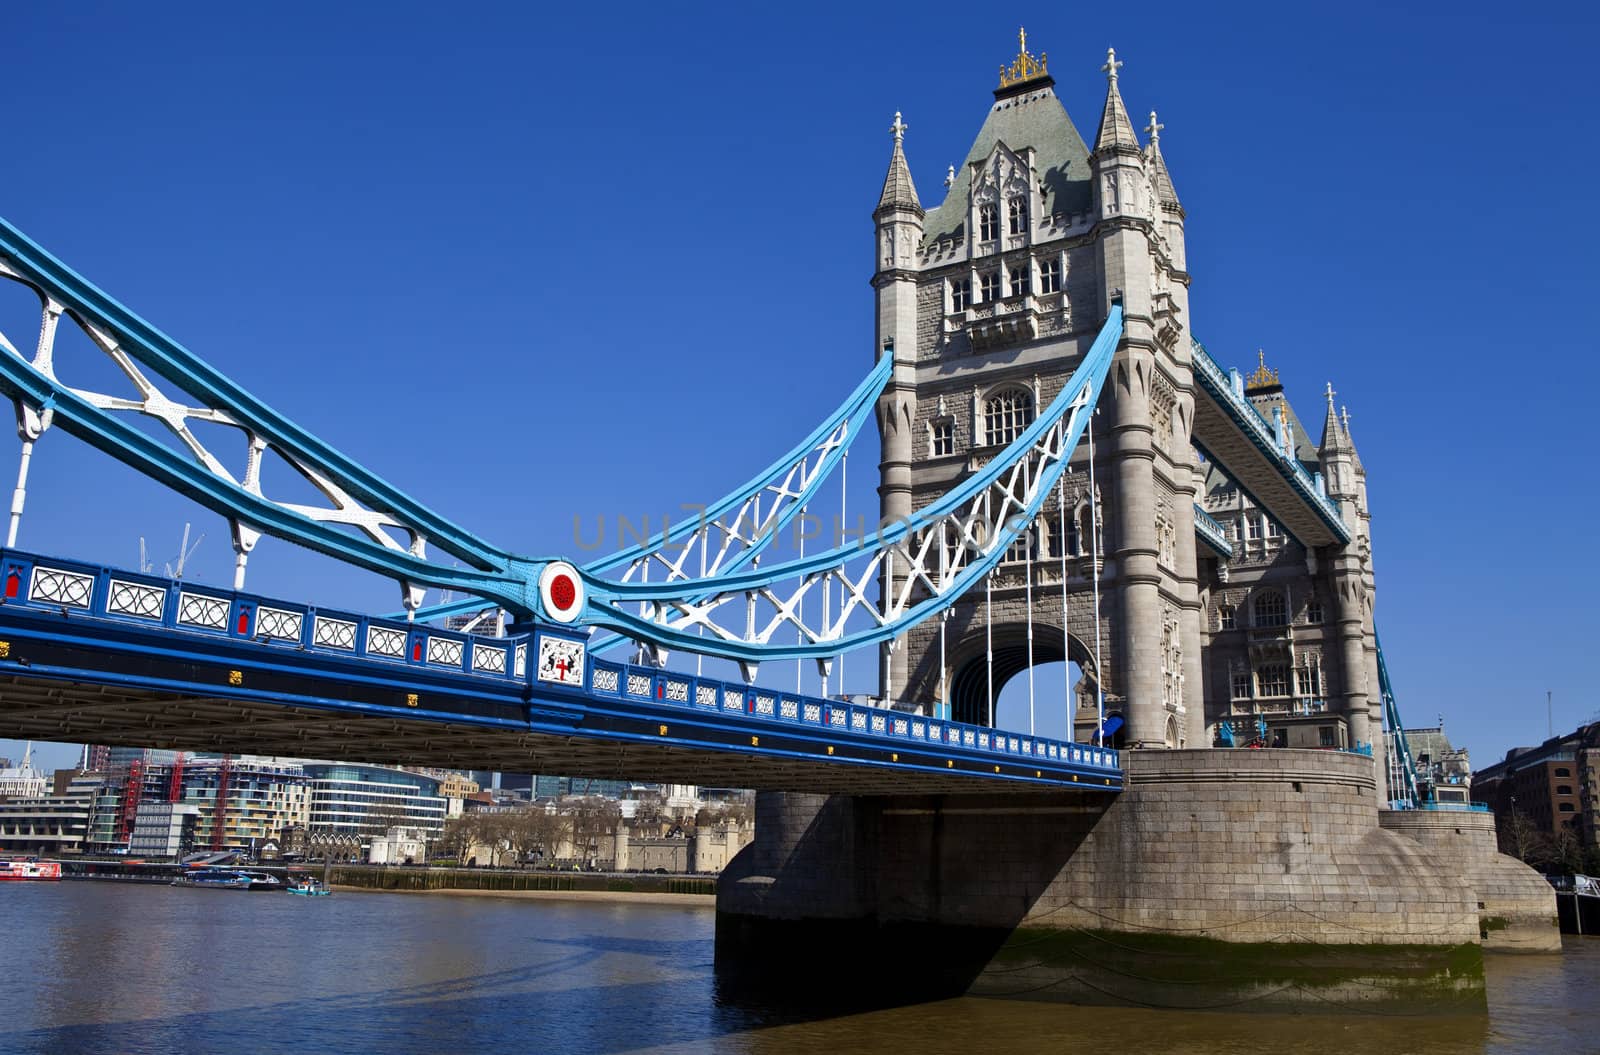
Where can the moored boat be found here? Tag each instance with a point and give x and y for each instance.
(213, 879)
(47, 871)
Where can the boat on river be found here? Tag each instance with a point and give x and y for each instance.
(228, 879)
(45, 871)
(308, 887)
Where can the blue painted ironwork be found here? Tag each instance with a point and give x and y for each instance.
(1403, 767)
(1212, 533)
(125, 625)
(1216, 382)
(359, 530)
(982, 516)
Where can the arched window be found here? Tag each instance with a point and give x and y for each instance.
(988, 222)
(1005, 415)
(1072, 543)
(1270, 610)
(1017, 215)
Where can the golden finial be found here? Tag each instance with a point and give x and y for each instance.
(1264, 377)
(1024, 67)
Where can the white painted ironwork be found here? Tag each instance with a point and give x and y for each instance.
(444, 651)
(334, 633)
(386, 641)
(59, 586)
(136, 598)
(920, 571)
(196, 609)
(278, 623)
(488, 659)
(520, 668)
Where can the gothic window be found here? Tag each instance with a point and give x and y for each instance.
(1241, 685)
(1020, 549)
(1273, 679)
(1308, 678)
(1233, 530)
(960, 294)
(1313, 611)
(1269, 609)
(989, 283)
(1005, 415)
(1050, 276)
(1019, 281)
(943, 436)
(1226, 617)
(988, 223)
(1270, 527)
(1253, 526)
(1017, 215)
(1074, 538)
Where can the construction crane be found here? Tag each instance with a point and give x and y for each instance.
(174, 569)
(219, 810)
(175, 785)
(130, 801)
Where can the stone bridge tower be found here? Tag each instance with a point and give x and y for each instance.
(988, 302)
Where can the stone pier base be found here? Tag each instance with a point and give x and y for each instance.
(1241, 879)
(1516, 907)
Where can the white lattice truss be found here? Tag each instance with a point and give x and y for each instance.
(719, 543)
(387, 528)
(926, 562)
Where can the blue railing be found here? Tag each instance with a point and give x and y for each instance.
(1442, 807)
(1216, 536)
(1249, 418)
(76, 588)
(654, 685)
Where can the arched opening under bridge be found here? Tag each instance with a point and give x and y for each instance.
(1056, 671)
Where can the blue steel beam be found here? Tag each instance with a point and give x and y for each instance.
(986, 512)
(67, 622)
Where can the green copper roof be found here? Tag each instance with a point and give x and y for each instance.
(1035, 119)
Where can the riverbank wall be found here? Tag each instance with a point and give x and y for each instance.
(406, 880)
(1257, 880)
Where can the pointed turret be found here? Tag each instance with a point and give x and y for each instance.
(1337, 457)
(1116, 131)
(1334, 439)
(1165, 192)
(898, 190)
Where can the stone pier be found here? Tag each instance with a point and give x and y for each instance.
(1220, 878)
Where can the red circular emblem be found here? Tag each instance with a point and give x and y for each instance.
(563, 592)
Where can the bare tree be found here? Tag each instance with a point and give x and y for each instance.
(459, 835)
(534, 831)
(1520, 838)
(592, 819)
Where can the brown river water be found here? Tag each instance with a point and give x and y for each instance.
(103, 967)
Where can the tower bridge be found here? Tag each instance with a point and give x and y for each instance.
(1065, 473)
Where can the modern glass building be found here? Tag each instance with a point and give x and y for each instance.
(369, 800)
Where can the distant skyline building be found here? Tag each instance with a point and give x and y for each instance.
(367, 799)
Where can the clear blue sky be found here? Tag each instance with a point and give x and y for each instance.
(532, 261)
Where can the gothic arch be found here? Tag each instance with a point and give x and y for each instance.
(969, 674)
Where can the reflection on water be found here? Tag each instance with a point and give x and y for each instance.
(108, 968)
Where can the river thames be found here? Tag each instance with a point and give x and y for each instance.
(101, 967)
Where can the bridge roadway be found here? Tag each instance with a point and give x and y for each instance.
(102, 655)
(1232, 433)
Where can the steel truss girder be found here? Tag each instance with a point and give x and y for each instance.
(927, 560)
(731, 532)
(365, 514)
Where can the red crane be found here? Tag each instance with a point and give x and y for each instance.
(175, 788)
(130, 801)
(219, 811)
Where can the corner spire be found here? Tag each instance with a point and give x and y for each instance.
(1166, 194)
(1116, 131)
(1333, 438)
(898, 190)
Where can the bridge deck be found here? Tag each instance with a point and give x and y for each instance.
(1232, 433)
(105, 656)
